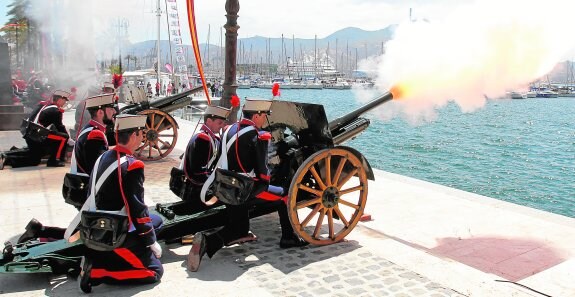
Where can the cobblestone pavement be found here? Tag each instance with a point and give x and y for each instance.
(343, 269)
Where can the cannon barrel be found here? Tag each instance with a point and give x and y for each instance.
(350, 124)
(167, 104)
(176, 101)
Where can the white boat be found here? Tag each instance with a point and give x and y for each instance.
(244, 85)
(314, 86)
(363, 84)
(531, 94)
(517, 95)
(546, 94)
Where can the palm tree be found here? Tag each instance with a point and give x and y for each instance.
(28, 37)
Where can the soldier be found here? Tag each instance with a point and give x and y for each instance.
(90, 145)
(49, 116)
(92, 141)
(136, 261)
(202, 153)
(248, 155)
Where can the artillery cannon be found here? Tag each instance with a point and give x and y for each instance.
(306, 158)
(161, 133)
(326, 184)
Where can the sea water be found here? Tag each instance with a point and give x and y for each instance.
(520, 151)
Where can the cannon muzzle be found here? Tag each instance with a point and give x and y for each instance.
(350, 125)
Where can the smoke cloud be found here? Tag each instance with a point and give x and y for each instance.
(75, 34)
(480, 51)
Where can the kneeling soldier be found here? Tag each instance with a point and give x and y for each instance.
(136, 261)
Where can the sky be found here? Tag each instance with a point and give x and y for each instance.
(461, 51)
(270, 18)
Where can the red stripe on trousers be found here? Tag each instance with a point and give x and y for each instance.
(121, 275)
(62, 141)
(268, 196)
(127, 255)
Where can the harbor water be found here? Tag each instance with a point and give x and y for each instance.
(519, 151)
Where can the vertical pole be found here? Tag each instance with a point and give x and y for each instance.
(230, 85)
(170, 43)
(159, 15)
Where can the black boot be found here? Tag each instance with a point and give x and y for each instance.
(32, 230)
(55, 163)
(292, 240)
(84, 278)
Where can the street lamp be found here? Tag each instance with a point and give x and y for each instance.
(230, 85)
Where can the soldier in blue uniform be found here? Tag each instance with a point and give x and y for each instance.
(92, 140)
(90, 145)
(201, 155)
(56, 143)
(248, 155)
(136, 261)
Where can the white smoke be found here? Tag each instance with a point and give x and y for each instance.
(76, 34)
(481, 50)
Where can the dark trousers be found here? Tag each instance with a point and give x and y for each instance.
(238, 223)
(133, 263)
(54, 146)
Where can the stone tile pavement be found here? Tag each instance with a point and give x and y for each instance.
(424, 240)
(343, 269)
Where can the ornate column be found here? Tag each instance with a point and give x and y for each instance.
(230, 85)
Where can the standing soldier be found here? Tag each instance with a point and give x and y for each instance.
(136, 261)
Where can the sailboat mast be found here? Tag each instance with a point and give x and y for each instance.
(159, 15)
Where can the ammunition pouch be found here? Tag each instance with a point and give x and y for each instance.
(177, 181)
(34, 132)
(231, 187)
(102, 231)
(75, 189)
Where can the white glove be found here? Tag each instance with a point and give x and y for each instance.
(156, 249)
(71, 142)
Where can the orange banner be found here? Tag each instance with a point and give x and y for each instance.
(196, 46)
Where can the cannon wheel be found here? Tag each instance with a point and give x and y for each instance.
(160, 136)
(330, 185)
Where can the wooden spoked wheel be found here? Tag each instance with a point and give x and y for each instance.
(327, 196)
(160, 136)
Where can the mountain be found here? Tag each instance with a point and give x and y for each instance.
(355, 40)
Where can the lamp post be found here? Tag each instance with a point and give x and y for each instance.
(230, 85)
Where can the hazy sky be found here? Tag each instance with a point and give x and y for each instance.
(270, 18)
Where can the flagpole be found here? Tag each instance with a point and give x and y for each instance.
(158, 14)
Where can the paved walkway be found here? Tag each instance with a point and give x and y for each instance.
(424, 240)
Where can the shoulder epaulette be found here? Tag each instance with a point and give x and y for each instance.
(204, 136)
(96, 134)
(265, 136)
(136, 165)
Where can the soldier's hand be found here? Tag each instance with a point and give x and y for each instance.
(71, 142)
(156, 249)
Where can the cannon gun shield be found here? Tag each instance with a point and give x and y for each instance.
(327, 195)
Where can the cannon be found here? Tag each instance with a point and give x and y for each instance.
(326, 182)
(161, 132)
